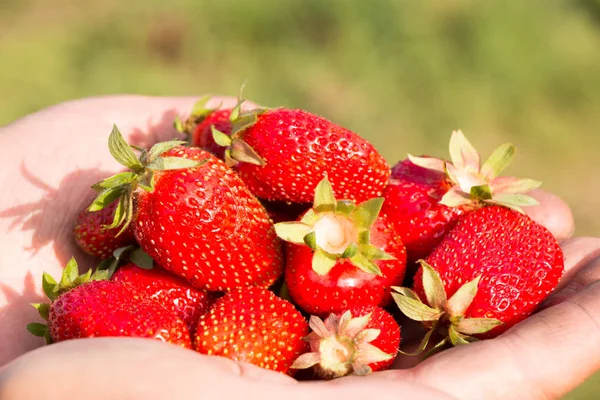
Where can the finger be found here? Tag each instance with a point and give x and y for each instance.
(78, 130)
(129, 368)
(375, 386)
(582, 267)
(544, 357)
(552, 213)
(141, 368)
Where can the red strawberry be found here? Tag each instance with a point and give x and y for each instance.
(412, 203)
(282, 154)
(493, 268)
(202, 135)
(195, 217)
(426, 196)
(341, 255)
(198, 126)
(359, 341)
(84, 307)
(170, 291)
(255, 326)
(93, 237)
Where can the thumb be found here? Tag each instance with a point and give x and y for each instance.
(130, 368)
(552, 213)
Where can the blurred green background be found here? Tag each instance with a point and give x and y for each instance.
(404, 74)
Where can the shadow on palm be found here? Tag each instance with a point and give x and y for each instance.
(51, 218)
(13, 313)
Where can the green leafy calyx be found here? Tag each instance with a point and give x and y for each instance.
(199, 112)
(441, 314)
(132, 254)
(475, 184)
(340, 346)
(336, 229)
(237, 150)
(120, 187)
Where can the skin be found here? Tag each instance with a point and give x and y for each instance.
(48, 161)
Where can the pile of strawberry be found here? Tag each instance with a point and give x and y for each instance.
(275, 237)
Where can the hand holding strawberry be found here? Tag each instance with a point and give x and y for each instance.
(462, 367)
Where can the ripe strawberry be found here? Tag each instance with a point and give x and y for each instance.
(426, 196)
(359, 341)
(195, 217)
(341, 255)
(87, 306)
(255, 326)
(170, 291)
(198, 126)
(490, 272)
(412, 203)
(93, 235)
(202, 136)
(282, 154)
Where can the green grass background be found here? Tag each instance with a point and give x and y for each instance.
(404, 74)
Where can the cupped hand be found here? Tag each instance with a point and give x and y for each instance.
(48, 161)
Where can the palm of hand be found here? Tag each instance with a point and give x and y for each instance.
(51, 158)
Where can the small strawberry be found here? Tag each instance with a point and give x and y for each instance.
(490, 272)
(94, 235)
(170, 291)
(203, 137)
(341, 255)
(282, 154)
(199, 125)
(359, 341)
(426, 196)
(88, 306)
(255, 326)
(194, 216)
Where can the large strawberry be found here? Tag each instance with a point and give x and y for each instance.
(341, 255)
(194, 216)
(94, 234)
(88, 306)
(170, 291)
(359, 341)
(490, 272)
(255, 326)
(199, 125)
(426, 196)
(282, 154)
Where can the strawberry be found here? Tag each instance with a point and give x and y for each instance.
(412, 203)
(194, 216)
(170, 291)
(340, 255)
(358, 341)
(426, 196)
(255, 326)
(89, 306)
(490, 272)
(282, 154)
(199, 125)
(202, 136)
(94, 235)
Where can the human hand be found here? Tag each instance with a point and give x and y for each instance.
(543, 357)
